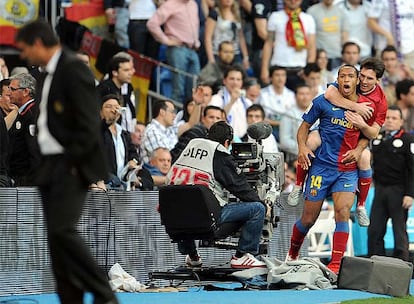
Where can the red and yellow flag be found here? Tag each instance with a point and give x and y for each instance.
(13, 15)
(90, 14)
(92, 44)
(140, 82)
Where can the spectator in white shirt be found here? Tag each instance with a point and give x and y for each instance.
(160, 132)
(291, 121)
(254, 114)
(230, 99)
(276, 99)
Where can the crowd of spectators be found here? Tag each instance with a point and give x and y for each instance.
(251, 57)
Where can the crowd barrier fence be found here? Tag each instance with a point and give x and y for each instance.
(119, 227)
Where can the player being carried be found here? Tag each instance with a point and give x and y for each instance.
(334, 169)
(368, 115)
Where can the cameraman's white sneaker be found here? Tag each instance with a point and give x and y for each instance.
(362, 216)
(246, 261)
(197, 262)
(295, 197)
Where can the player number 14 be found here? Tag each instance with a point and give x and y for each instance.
(316, 181)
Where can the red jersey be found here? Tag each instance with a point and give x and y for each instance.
(378, 103)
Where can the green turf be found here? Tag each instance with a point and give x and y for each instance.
(405, 300)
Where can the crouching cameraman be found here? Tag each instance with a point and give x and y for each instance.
(208, 162)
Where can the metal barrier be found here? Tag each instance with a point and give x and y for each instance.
(119, 227)
(173, 70)
(158, 94)
(53, 10)
(154, 95)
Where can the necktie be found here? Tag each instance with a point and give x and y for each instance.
(41, 79)
(387, 135)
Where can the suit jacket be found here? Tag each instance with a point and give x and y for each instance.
(73, 116)
(130, 151)
(130, 154)
(4, 142)
(24, 154)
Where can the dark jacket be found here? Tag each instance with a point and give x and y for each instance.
(393, 160)
(227, 174)
(130, 154)
(24, 153)
(4, 143)
(73, 117)
(109, 148)
(113, 3)
(198, 131)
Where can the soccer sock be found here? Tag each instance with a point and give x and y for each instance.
(298, 235)
(340, 239)
(364, 183)
(300, 175)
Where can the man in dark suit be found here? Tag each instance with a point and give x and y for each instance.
(120, 153)
(68, 137)
(394, 185)
(24, 154)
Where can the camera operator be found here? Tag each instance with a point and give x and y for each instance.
(208, 162)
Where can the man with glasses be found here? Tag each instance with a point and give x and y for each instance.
(161, 131)
(24, 154)
(120, 153)
(121, 70)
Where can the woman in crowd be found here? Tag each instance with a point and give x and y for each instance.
(322, 62)
(224, 23)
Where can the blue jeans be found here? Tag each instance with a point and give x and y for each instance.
(251, 213)
(184, 59)
(121, 26)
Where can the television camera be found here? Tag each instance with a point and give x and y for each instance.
(264, 172)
